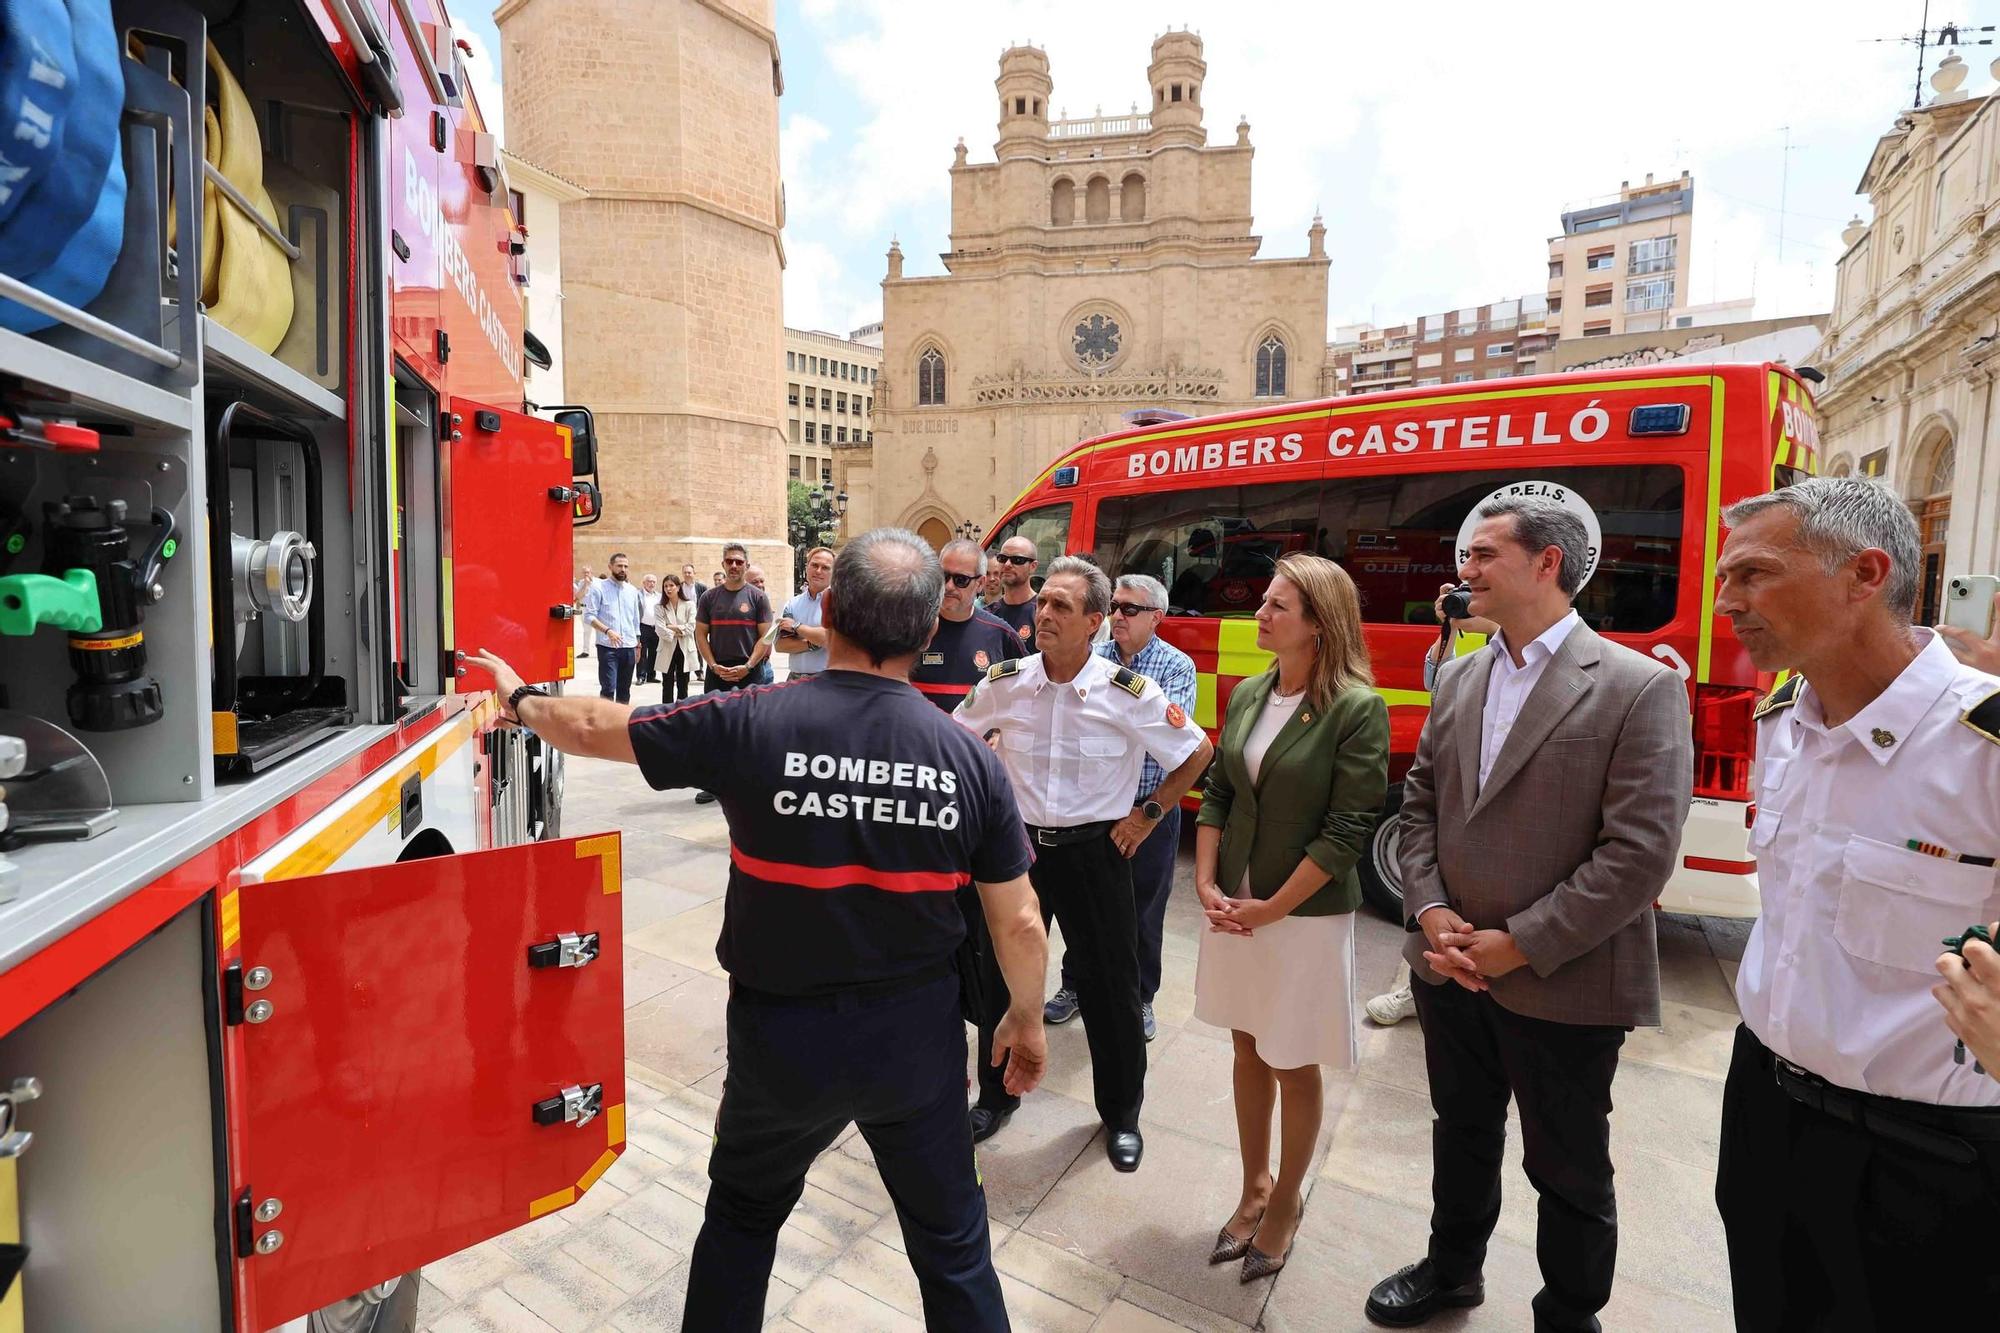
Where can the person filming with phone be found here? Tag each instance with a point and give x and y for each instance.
(1971, 627)
(1858, 1176)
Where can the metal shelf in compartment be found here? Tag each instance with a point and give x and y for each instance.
(60, 383)
(265, 381)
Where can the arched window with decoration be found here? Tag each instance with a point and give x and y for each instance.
(1271, 367)
(930, 378)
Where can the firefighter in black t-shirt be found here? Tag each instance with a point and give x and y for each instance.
(730, 622)
(1017, 560)
(968, 640)
(856, 810)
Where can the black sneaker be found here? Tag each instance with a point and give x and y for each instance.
(1061, 1007)
(704, 798)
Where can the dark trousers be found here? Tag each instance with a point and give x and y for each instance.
(674, 676)
(1832, 1227)
(614, 673)
(1478, 1055)
(649, 650)
(1152, 881)
(799, 1072)
(1087, 886)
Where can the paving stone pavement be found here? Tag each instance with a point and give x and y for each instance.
(1079, 1246)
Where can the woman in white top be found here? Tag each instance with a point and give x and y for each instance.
(673, 621)
(1292, 799)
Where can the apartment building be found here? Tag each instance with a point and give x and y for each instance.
(1621, 262)
(829, 399)
(1483, 342)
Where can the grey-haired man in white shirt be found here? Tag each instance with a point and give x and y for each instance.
(1859, 1173)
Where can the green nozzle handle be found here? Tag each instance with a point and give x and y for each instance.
(69, 602)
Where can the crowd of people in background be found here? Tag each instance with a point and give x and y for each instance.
(1860, 1148)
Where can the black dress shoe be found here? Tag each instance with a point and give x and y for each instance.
(1124, 1147)
(704, 798)
(986, 1121)
(1411, 1295)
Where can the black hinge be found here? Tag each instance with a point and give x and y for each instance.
(399, 245)
(241, 1224)
(444, 347)
(232, 995)
(439, 129)
(413, 804)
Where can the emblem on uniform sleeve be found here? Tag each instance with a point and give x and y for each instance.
(1024, 631)
(1176, 715)
(980, 660)
(743, 608)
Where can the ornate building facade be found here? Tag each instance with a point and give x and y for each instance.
(1095, 266)
(1912, 347)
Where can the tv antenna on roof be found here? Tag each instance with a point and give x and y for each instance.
(1927, 38)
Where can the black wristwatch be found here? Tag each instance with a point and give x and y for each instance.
(514, 699)
(1153, 810)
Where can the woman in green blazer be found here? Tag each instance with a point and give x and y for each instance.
(1292, 798)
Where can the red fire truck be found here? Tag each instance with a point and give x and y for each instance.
(1386, 484)
(300, 988)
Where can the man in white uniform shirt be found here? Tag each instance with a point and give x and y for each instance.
(1073, 731)
(1859, 1175)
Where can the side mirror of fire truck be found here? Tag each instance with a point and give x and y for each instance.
(582, 429)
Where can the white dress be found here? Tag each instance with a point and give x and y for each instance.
(1290, 985)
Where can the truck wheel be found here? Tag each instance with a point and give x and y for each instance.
(1381, 873)
(388, 1307)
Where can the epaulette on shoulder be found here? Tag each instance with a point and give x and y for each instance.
(1984, 717)
(1130, 681)
(1784, 696)
(1004, 668)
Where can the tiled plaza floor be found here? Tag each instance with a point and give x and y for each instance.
(1080, 1247)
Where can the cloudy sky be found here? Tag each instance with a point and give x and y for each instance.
(1441, 142)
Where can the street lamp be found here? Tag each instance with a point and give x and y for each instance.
(969, 531)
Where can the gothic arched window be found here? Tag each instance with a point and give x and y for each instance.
(1271, 367)
(930, 378)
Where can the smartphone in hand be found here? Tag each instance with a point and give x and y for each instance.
(1968, 603)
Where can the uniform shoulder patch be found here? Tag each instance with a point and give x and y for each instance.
(1984, 717)
(1002, 669)
(1130, 681)
(1784, 696)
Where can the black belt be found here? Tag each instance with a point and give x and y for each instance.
(1947, 1133)
(1063, 837)
(847, 997)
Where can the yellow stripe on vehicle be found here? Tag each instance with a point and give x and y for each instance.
(231, 920)
(1712, 530)
(606, 847)
(614, 1124)
(548, 1203)
(597, 1168)
(337, 838)
(1236, 652)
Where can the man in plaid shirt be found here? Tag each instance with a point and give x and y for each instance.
(1138, 605)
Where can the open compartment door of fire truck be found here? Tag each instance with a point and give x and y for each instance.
(512, 496)
(425, 1055)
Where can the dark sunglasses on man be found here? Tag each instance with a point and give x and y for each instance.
(1015, 559)
(963, 580)
(1130, 609)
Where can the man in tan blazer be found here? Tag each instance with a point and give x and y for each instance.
(1540, 820)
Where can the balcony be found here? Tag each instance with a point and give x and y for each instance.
(1101, 126)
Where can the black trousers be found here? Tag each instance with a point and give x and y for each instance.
(1087, 886)
(649, 649)
(799, 1072)
(674, 676)
(1478, 1055)
(1152, 882)
(1832, 1227)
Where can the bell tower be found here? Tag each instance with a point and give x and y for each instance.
(1176, 75)
(1024, 88)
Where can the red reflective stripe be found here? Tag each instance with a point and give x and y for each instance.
(928, 688)
(1709, 863)
(840, 877)
(732, 622)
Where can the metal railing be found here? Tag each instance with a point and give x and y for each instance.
(1086, 127)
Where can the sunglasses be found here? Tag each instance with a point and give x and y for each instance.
(727, 563)
(1130, 609)
(962, 580)
(1015, 559)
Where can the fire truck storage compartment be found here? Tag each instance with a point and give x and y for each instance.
(118, 1187)
(114, 501)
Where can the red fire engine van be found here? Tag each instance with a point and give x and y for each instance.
(1384, 483)
(300, 986)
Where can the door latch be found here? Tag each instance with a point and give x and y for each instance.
(562, 495)
(14, 1142)
(568, 949)
(573, 1105)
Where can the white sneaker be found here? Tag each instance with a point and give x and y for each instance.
(1391, 1009)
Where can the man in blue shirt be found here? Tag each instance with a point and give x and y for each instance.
(799, 632)
(612, 606)
(1138, 605)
